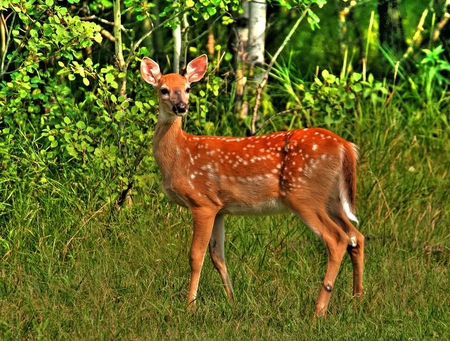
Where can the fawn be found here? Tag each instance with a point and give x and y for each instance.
(310, 172)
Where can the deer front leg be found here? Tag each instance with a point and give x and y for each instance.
(217, 253)
(203, 225)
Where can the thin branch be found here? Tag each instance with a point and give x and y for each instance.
(416, 36)
(440, 25)
(119, 47)
(103, 21)
(4, 41)
(277, 114)
(135, 46)
(107, 35)
(269, 67)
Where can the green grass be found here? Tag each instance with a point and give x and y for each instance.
(68, 272)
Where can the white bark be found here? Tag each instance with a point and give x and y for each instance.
(257, 28)
(176, 48)
(241, 58)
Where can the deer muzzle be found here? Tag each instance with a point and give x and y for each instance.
(180, 109)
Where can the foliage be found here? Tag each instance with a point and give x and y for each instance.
(431, 76)
(70, 143)
(71, 272)
(61, 112)
(326, 101)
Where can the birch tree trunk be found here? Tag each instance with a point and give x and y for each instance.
(257, 35)
(176, 47)
(241, 51)
(250, 46)
(179, 46)
(257, 29)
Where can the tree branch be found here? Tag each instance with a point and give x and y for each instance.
(119, 48)
(416, 36)
(135, 46)
(440, 25)
(103, 21)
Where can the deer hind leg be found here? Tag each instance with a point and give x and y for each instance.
(203, 226)
(355, 247)
(217, 253)
(335, 240)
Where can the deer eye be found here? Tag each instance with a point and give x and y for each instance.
(164, 91)
(187, 90)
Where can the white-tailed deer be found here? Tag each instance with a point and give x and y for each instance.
(310, 172)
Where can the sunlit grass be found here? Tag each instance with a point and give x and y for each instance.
(69, 272)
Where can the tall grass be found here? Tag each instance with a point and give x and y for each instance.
(69, 272)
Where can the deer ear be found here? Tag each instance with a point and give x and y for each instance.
(196, 68)
(150, 71)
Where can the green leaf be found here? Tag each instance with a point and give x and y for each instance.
(211, 10)
(349, 103)
(226, 20)
(356, 76)
(109, 77)
(138, 104)
(119, 115)
(81, 125)
(98, 38)
(328, 120)
(357, 87)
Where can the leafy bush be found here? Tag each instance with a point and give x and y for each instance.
(62, 118)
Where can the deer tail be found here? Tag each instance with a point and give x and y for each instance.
(348, 181)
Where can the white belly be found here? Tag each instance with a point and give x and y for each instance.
(269, 206)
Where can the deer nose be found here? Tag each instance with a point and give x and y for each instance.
(179, 108)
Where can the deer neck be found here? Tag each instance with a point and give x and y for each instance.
(168, 142)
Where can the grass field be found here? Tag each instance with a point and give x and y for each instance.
(68, 272)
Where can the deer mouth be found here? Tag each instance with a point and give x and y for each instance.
(180, 109)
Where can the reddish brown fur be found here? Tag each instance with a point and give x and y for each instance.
(311, 172)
